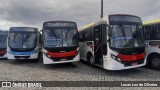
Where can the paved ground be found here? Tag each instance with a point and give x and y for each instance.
(11, 70)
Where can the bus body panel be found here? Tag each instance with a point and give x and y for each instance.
(111, 64)
(86, 49)
(24, 55)
(152, 49)
(118, 66)
(47, 60)
(3, 57)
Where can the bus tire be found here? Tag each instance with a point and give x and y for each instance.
(92, 61)
(155, 62)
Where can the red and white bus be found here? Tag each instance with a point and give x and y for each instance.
(113, 44)
(3, 44)
(60, 42)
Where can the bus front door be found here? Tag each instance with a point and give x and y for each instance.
(98, 54)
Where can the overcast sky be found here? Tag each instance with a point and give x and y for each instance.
(34, 12)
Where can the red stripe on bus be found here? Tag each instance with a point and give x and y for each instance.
(128, 58)
(2, 52)
(62, 54)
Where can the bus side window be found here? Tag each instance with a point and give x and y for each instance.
(148, 32)
(80, 36)
(159, 27)
(154, 31)
(86, 35)
(158, 31)
(89, 34)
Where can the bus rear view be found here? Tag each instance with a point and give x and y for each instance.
(23, 43)
(3, 44)
(60, 42)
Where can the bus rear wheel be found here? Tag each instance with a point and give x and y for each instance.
(155, 62)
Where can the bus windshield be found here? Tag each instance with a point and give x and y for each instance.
(3, 40)
(60, 38)
(126, 36)
(23, 40)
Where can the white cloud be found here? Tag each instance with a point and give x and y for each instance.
(35, 12)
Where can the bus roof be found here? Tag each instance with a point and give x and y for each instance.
(15, 29)
(3, 32)
(59, 24)
(59, 21)
(151, 22)
(94, 24)
(24, 27)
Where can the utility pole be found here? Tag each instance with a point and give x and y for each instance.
(101, 8)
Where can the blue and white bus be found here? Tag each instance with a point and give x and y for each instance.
(60, 42)
(23, 43)
(3, 44)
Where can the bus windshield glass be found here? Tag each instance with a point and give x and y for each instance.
(3, 40)
(23, 40)
(60, 38)
(126, 36)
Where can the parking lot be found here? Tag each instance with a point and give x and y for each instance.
(11, 70)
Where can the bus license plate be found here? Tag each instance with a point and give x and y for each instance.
(134, 64)
(63, 59)
(21, 58)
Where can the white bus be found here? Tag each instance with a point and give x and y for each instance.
(23, 43)
(60, 42)
(113, 44)
(3, 44)
(152, 40)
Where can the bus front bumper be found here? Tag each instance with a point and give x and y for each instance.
(47, 60)
(21, 57)
(114, 65)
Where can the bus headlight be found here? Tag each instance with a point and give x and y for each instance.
(46, 54)
(49, 56)
(115, 58)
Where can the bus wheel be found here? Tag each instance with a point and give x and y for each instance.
(155, 62)
(92, 61)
